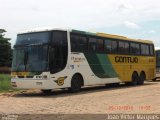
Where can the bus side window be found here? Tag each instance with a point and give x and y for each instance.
(151, 50)
(114, 46)
(123, 47)
(110, 46)
(144, 49)
(147, 49)
(92, 44)
(78, 43)
(135, 48)
(99, 46)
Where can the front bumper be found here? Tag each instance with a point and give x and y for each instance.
(32, 84)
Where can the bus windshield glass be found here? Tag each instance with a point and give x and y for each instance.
(33, 38)
(30, 59)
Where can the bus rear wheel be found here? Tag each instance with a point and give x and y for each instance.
(141, 78)
(154, 79)
(76, 83)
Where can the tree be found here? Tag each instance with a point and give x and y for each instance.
(5, 50)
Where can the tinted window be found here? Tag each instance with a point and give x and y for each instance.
(151, 50)
(110, 45)
(96, 44)
(92, 44)
(123, 47)
(135, 48)
(99, 46)
(114, 46)
(33, 38)
(78, 43)
(144, 49)
(31, 59)
(58, 52)
(147, 50)
(59, 38)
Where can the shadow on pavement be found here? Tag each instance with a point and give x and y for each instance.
(85, 90)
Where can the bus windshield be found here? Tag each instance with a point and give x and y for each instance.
(40, 52)
(31, 52)
(30, 59)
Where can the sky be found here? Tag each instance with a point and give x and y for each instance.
(138, 19)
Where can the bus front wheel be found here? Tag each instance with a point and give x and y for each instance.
(76, 83)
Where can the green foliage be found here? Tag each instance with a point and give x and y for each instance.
(5, 82)
(5, 49)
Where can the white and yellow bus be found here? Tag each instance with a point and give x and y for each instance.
(61, 58)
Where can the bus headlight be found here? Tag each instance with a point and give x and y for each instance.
(39, 77)
(44, 77)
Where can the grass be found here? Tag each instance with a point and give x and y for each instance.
(5, 83)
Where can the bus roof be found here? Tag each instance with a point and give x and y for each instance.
(88, 33)
(123, 38)
(113, 36)
(41, 30)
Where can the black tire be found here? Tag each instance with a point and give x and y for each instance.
(76, 83)
(115, 84)
(134, 78)
(46, 91)
(141, 78)
(154, 79)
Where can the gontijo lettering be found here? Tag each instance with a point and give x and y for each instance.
(121, 59)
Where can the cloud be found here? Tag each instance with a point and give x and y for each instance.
(124, 7)
(19, 15)
(157, 48)
(131, 25)
(148, 32)
(152, 31)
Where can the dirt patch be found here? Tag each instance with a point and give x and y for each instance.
(91, 100)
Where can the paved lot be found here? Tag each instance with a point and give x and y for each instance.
(122, 99)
